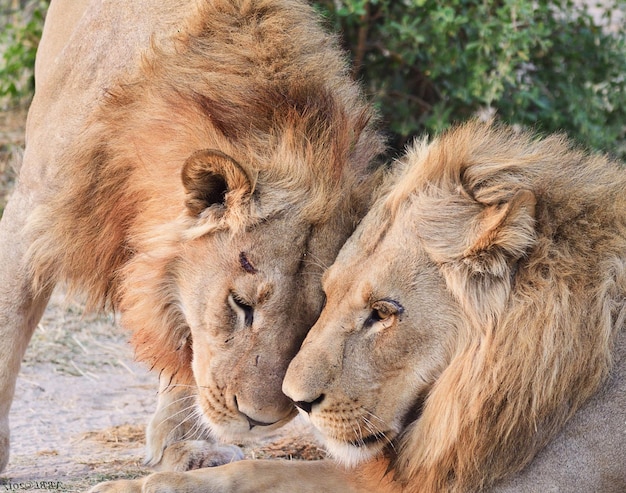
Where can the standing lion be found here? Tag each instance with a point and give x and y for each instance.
(192, 165)
(474, 334)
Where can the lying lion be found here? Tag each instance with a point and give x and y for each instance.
(473, 336)
(193, 166)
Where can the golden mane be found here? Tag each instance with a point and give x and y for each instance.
(541, 329)
(260, 81)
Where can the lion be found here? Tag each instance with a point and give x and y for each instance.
(192, 166)
(473, 334)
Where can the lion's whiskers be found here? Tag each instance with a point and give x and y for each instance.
(358, 432)
(177, 401)
(199, 428)
(182, 411)
(375, 430)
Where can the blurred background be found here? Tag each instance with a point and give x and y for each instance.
(554, 65)
(550, 64)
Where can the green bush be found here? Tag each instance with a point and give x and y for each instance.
(429, 63)
(546, 64)
(21, 24)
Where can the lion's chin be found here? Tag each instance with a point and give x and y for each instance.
(352, 455)
(239, 430)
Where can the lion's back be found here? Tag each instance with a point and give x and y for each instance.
(588, 454)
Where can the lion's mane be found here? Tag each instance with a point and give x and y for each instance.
(541, 330)
(248, 78)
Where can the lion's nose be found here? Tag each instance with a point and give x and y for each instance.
(307, 406)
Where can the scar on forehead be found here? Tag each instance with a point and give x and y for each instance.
(246, 264)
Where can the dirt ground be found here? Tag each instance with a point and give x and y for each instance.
(82, 402)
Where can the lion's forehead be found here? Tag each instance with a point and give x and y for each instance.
(380, 249)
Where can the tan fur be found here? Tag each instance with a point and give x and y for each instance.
(228, 156)
(282, 109)
(529, 236)
(256, 112)
(473, 335)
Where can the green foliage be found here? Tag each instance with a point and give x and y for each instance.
(546, 64)
(428, 63)
(19, 37)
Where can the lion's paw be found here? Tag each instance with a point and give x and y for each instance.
(196, 454)
(121, 486)
(163, 482)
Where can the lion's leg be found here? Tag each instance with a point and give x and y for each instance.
(20, 310)
(176, 439)
(252, 476)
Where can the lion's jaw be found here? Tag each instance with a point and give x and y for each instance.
(378, 347)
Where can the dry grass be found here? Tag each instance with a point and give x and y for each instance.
(61, 340)
(77, 380)
(117, 436)
(290, 448)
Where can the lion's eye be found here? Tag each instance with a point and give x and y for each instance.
(384, 313)
(242, 308)
(380, 314)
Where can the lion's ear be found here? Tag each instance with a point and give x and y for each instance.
(501, 234)
(485, 236)
(212, 178)
(478, 245)
(496, 238)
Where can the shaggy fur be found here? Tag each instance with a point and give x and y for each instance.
(193, 165)
(256, 79)
(529, 236)
(543, 289)
(477, 311)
